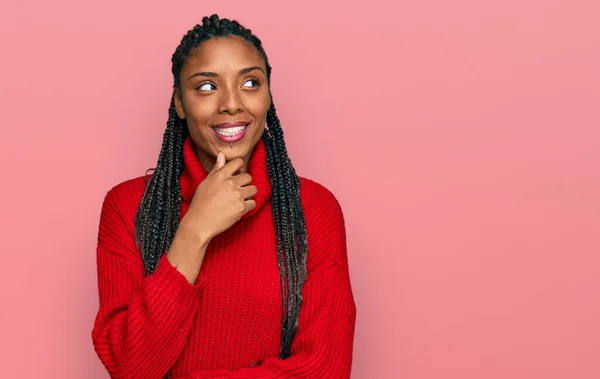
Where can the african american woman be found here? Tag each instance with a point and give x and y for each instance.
(222, 262)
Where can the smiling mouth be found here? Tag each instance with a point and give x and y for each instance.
(230, 132)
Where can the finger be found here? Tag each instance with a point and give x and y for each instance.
(248, 192)
(242, 179)
(232, 166)
(219, 163)
(250, 205)
(240, 170)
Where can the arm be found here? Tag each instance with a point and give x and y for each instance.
(143, 321)
(323, 344)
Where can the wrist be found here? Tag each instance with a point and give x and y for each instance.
(193, 235)
(187, 252)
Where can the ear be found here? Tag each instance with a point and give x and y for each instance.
(178, 103)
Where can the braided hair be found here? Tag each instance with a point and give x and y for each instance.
(157, 217)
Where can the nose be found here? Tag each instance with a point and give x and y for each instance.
(230, 102)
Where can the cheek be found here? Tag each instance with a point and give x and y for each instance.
(198, 110)
(259, 106)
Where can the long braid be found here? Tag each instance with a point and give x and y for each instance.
(157, 218)
(287, 207)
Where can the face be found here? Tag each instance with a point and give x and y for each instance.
(222, 83)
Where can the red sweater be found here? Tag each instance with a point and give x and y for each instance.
(231, 317)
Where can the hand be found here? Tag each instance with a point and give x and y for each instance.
(221, 199)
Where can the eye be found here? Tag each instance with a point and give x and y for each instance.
(251, 80)
(204, 86)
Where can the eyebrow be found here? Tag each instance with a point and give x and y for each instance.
(241, 72)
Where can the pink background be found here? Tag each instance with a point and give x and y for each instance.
(461, 138)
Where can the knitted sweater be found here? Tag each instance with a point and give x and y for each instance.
(230, 319)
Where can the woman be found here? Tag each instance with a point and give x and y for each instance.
(224, 263)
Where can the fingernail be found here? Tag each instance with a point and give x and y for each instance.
(218, 157)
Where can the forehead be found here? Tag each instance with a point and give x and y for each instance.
(223, 53)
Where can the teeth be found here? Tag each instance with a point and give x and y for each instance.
(230, 131)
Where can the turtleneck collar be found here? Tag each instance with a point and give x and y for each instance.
(193, 174)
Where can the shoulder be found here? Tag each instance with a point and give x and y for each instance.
(122, 200)
(320, 205)
(316, 197)
(325, 225)
(128, 191)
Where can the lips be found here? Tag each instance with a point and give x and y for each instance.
(231, 136)
(226, 125)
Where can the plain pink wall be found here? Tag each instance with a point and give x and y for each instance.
(461, 138)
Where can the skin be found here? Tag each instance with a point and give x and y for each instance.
(227, 95)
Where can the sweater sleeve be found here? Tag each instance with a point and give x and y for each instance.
(143, 321)
(323, 345)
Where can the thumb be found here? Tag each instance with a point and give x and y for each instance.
(219, 163)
